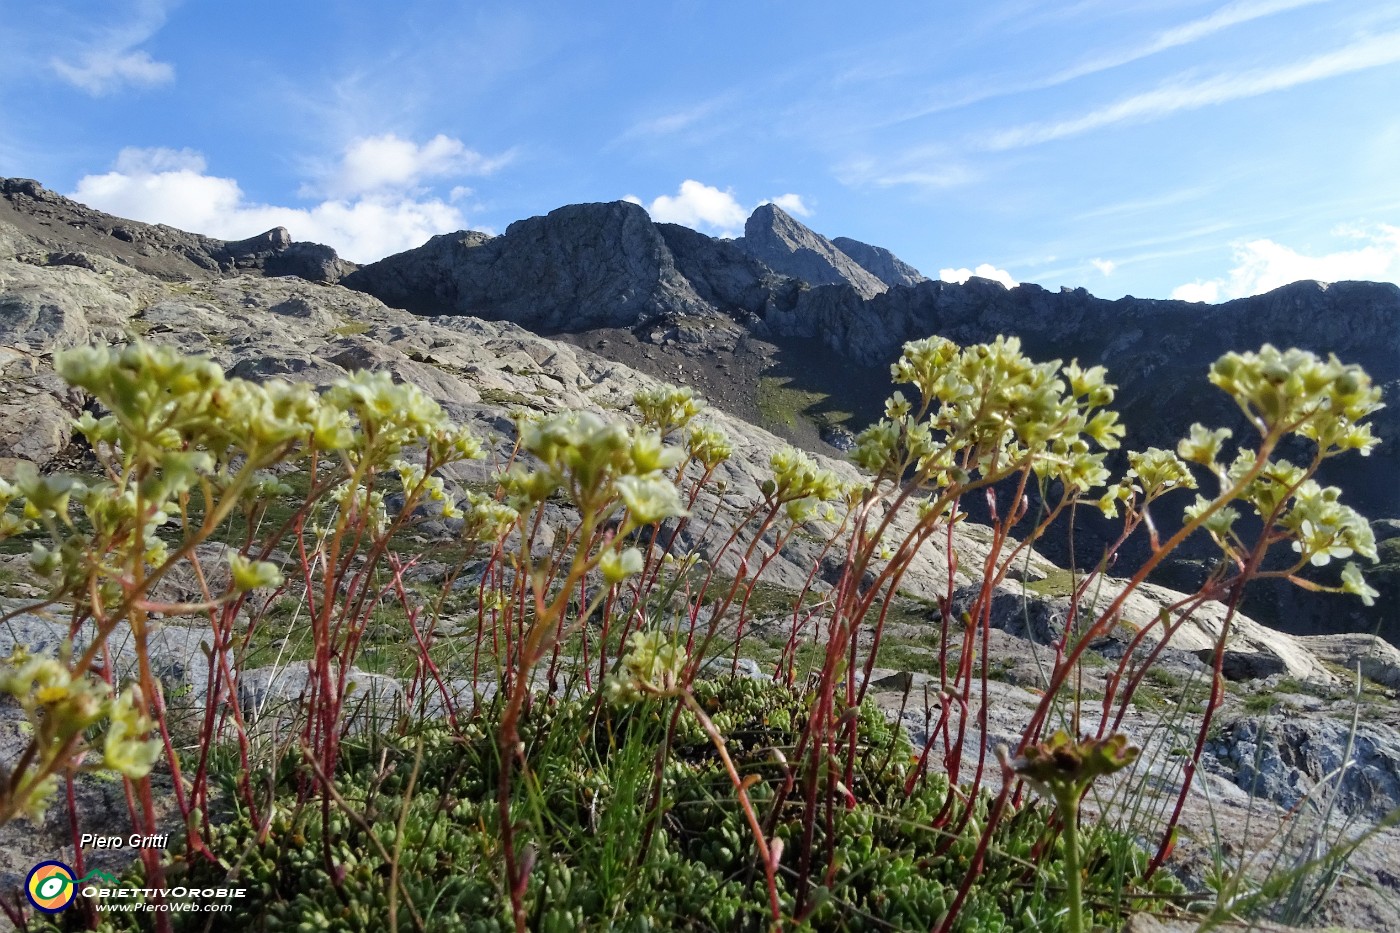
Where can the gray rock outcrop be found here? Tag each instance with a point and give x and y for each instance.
(1301, 757)
(880, 262)
(579, 267)
(1372, 658)
(721, 273)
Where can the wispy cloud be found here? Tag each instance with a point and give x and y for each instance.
(1143, 205)
(673, 123)
(1232, 14)
(111, 61)
(1371, 52)
(932, 168)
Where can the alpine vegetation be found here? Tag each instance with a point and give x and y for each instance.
(582, 734)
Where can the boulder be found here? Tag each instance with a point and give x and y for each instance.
(180, 584)
(1252, 649)
(1302, 756)
(1243, 665)
(35, 429)
(372, 701)
(1377, 660)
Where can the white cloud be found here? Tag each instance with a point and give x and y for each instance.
(111, 60)
(792, 203)
(375, 164)
(704, 207)
(698, 205)
(1209, 292)
(1106, 266)
(1263, 265)
(170, 187)
(1371, 52)
(986, 271)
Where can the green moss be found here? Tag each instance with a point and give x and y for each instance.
(504, 397)
(1056, 583)
(1258, 704)
(1163, 678)
(905, 654)
(780, 403)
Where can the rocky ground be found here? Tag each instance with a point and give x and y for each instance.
(1291, 701)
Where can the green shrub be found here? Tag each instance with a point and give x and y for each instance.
(421, 811)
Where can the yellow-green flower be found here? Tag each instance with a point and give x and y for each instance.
(250, 574)
(617, 566)
(650, 500)
(124, 750)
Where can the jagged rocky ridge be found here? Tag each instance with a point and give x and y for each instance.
(71, 276)
(35, 221)
(590, 266)
(691, 304)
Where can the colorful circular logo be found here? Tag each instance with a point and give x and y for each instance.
(50, 886)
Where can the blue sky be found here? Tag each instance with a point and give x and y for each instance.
(1198, 148)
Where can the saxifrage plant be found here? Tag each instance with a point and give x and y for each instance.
(189, 454)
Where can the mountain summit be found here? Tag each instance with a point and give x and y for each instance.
(790, 248)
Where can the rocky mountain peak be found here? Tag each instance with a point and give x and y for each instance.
(788, 247)
(772, 221)
(579, 266)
